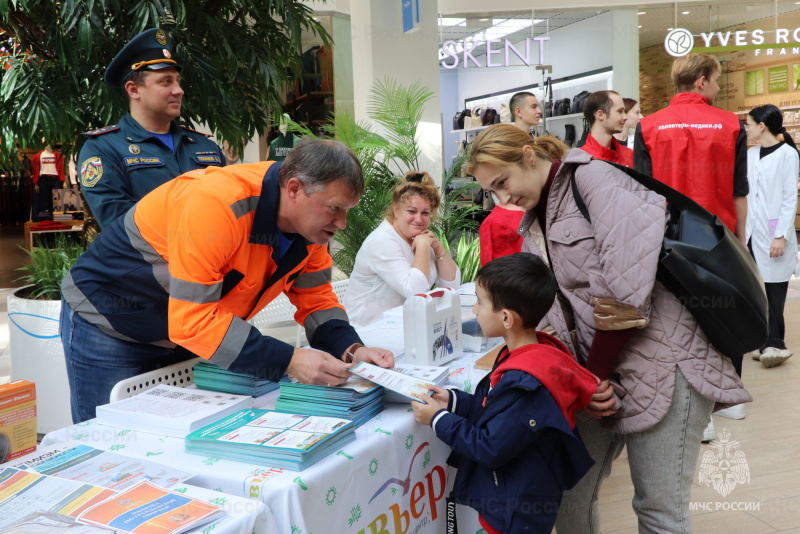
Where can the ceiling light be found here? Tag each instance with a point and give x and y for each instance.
(642, 13)
(684, 12)
(640, 27)
(484, 20)
(670, 29)
(448, 21)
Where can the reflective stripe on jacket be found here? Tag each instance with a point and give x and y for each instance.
(195, 259)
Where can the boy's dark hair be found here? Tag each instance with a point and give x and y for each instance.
(521, 283)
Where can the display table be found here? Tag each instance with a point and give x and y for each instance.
(244, 516)
(31, 231)
(392, 478)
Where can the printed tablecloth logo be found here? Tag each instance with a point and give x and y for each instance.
(724, 467)
(405, 484)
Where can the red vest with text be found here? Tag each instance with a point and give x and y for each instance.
(692, 145)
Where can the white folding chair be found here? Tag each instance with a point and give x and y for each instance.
(340, 288)
(280, 310)
(178, 374)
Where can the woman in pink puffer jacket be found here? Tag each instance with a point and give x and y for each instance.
(658, 376)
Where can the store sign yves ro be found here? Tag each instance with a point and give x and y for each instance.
(680, 41)
(452, 49)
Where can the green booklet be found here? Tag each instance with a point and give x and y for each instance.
(289, 441)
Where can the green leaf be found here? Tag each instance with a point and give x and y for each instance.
(85, 35)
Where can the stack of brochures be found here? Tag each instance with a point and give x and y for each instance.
(215, 378)
(171, 410)
(287, 441)
(357, 399)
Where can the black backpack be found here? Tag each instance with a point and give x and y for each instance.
(578, 100)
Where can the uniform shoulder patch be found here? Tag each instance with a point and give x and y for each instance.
(195, 131)
(101, 131)
(91, 171)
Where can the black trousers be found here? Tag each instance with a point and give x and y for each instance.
(776, 298)
(46, 185)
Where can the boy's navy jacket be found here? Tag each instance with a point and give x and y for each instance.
(514, 443)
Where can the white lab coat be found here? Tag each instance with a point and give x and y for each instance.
(771, 210)
(383, 277)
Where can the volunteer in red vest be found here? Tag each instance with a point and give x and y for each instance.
(605, 112)
(181, 273)
(701, 151)
(696, 148)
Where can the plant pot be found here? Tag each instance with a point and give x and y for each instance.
(38, 356)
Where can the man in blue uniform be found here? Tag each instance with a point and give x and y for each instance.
(120, 164)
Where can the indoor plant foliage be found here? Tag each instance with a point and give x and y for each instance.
(384, 160)
(47, 269)
(233, 69)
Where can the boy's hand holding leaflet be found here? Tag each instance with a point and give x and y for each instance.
(408, 386)
(424, 410)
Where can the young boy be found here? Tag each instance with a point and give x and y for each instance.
(514, 441)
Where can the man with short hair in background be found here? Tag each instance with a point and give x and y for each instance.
(120, 164)
(526, 110)
(605, 112)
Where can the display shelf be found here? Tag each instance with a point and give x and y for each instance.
(787, 108)
(565, 117)
(476, 129)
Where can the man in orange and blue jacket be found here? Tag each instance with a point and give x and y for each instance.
(182, 271)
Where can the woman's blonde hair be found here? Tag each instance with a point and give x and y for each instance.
(415, 183)
(502, 144)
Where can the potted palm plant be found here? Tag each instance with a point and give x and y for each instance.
(34, 313)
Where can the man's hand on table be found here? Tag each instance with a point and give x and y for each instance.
(374, 355)
(316, 367)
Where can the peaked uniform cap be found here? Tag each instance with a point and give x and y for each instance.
(150, 50)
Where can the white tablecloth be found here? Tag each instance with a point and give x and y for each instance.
(393, 478)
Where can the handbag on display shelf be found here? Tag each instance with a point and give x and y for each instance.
(547, 106)
(703, 264)
(561, 107)
(577, 102)
(474, 120)
(462, 118)
(488, 117)
(505, 114)
(569, 134)
(456, 118)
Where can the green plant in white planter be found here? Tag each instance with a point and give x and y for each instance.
(34, 313)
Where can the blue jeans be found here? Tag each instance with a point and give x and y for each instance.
(662, 461)
(96, 362)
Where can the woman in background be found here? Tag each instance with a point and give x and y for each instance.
(401, 257)
(634, 114)
(772, 170)
(499, 234)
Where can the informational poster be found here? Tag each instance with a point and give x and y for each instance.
(754, 84)
(796, 77)
(778, 79)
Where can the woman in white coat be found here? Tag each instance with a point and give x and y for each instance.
(772, 170)
(401, 257)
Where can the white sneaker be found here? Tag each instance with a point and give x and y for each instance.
(734, 412)
(755, 354)
(709, 433)
(772, 356)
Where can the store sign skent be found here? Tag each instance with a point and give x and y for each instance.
(464, 52)
(680, 41)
